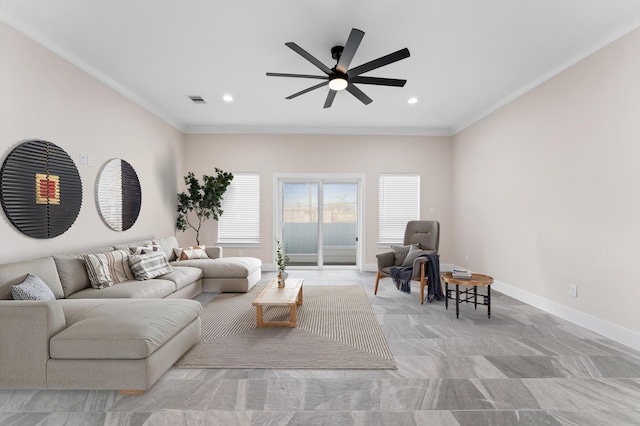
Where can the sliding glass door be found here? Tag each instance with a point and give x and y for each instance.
(318, 223)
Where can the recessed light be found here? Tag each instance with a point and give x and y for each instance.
(227, 98)
(412, 101)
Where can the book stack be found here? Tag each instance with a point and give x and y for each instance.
(461, 274)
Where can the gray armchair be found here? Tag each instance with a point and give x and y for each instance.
(425, 233)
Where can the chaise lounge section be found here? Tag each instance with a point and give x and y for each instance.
(124, 336)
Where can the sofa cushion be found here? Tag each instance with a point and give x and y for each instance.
(148, 289)
(73, 273)
(168, 244)
(32, 288)
(15, 273)
(132, 244)
(120, 329)
(182, 276)
(227, 267)
(147, 266)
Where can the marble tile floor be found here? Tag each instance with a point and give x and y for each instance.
(521, 367)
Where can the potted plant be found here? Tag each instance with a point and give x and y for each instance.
(281, 260)
(202, 199)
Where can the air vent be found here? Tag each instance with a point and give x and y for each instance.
(197, 99)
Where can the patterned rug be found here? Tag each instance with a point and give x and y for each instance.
(336, 329)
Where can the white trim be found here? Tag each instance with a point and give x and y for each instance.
(289, 130)
(597, 325)
(91, 70)
(569, 62)
(358, 178)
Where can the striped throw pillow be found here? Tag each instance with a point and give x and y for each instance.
(147, 266)
(106, 269)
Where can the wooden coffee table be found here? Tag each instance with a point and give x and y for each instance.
(469, 295)
(271, 295)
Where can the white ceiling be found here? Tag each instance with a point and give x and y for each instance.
(468, 57)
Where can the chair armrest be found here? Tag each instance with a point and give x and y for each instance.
(214, 252)
(385, 260)
(418, 262)
(27, 327)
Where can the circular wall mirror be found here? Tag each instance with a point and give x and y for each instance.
(118, 194)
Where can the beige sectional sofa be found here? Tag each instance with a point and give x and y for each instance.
(121, 337)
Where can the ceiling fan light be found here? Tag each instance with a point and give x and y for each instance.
(338, 83)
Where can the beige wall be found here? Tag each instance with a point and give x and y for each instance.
(546, 191)
(367, 155)
(541, 194)
(44, 97)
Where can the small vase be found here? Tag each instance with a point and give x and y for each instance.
(282, 275)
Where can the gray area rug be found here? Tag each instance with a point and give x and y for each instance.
(336, 329)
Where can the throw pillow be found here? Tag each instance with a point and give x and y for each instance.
(152, 248)
(414, 252)
(106, 269)
(147, 266)
(32, 288)
(98, 271)
(195, 252)
(400, 252)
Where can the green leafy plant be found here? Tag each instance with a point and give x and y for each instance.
(204, 200)
(281, 257)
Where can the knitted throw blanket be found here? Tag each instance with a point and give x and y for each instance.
(402, 277)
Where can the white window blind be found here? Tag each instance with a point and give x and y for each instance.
(240, 222)
(398, 202)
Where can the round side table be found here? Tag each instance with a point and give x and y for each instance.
(469, 294)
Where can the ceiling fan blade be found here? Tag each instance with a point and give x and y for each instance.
(278, 74)
(380, 62)
(330, 97)
(307, 90)
(379, 81)
(355, 37)
(359, 94)
(300, 51)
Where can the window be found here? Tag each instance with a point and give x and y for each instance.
(398, 202)
(240, 222)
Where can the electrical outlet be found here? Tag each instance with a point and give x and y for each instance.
(573, 290)
(90, 160)
(240, 253)
(466, 258)
(432, 210)
(83, 158)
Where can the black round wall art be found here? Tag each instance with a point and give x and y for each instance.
(118, 194)
(41, 190)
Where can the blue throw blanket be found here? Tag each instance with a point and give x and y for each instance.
(402, 277)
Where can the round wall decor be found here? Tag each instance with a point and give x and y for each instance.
(118, 194)
(41, 190)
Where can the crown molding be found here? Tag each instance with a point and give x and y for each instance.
(360, 131)
(618, 31)
(89, 69)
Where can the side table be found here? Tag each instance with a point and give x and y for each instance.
(469, 294)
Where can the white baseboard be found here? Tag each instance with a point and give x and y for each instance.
(597, 325)
(605, 328)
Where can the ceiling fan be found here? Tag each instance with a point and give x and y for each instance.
(340, 76)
